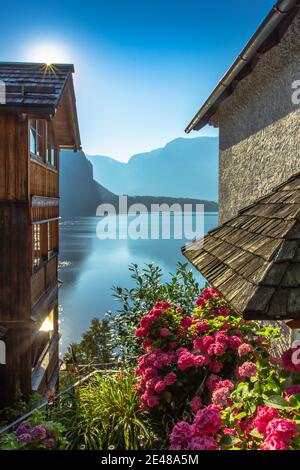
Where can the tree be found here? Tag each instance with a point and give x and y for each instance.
(95, 346)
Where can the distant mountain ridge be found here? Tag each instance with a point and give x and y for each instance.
(81, 194)
(183, 168)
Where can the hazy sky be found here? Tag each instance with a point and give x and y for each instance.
(143, 67)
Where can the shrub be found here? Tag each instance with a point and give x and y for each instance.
(35, 434)
(209, 358)
(106, 414)
(182, 289)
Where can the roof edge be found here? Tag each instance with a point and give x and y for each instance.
(281, 10)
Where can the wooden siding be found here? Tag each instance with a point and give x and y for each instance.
(43, 279)
(43, 180)
(38, 214)
(15, 265)
(13, 158)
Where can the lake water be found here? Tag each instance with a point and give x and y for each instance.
(89, 267)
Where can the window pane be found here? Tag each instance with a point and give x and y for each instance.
(32, 141)
(36, 244)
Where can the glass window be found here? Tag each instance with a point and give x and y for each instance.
(37, 255)
(50, 157)
(36, 137)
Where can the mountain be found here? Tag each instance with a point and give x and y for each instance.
(81, 194)
(183, 168)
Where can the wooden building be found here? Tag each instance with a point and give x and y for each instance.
(253, 257)
(37, 118)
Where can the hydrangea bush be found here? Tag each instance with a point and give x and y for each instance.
(35, 434)
(210, 378)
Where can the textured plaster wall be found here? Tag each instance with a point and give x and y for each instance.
(260, 128)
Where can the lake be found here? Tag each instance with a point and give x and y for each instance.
(89, 267)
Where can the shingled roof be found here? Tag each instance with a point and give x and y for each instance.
(253, 259)
(34, 85)
(46, 91)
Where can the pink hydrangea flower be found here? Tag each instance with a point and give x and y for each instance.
(223, 312)
(200, 302)
(202, 326)
(217, 349)
(291, 360)
(141, 332)
(221, 337)
(206, 342)
(244, 349)
(186, 322)
(200, 361)
(292, 390)
(224, 384)
(181, 435)
(186, 360)
(164, 332)
(203, 443)
(212, 381)
(170, 378)
(248, 369)
(220, 396)
(196, 403)
(160, 386)
(234, 342)
(153, 400)
(282, 429)
(216, 366)
(230, 432)
(207, 422)
(265, 414)
(274, 443)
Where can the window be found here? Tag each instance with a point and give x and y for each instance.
(37, 255)
(50, 238)
(37, 131)
(50, 152)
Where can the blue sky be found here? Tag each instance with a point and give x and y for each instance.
(143, 67)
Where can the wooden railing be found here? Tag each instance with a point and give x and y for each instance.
(43, 179)
(43, 278)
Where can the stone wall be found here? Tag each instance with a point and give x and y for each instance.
(260, 128)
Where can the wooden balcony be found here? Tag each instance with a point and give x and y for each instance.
(43, 179)
(43, 279)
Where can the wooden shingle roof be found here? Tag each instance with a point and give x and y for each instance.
(34, 86)
(253, 259)
(43, 91)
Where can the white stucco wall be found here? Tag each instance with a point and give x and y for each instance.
(260, 128)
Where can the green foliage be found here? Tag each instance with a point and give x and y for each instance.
(95, 345)
(105, 414)
(52, 439)
(20, 408)
(182, 289)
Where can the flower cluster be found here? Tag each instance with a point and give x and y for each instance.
(35, 436)
(200, 434)
(278, 432)
(208, 363)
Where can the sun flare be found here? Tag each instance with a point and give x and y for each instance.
(48, 54)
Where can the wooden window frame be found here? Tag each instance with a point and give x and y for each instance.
(40, 133)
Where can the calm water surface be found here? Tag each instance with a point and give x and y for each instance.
(89, 267)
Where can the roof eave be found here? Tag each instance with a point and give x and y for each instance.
(262, 39)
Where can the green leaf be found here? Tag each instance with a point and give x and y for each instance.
(255, 433)
(276, 401)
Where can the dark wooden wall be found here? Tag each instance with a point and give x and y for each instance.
(15, 256)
